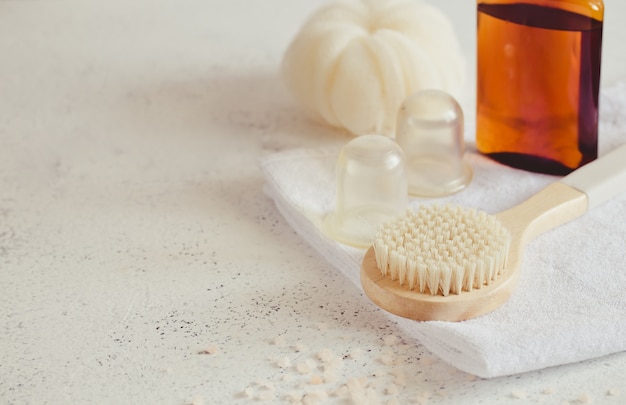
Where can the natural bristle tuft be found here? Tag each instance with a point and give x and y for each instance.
(442, 250)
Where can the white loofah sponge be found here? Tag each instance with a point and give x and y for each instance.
(354, 61)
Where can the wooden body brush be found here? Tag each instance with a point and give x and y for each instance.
(453, 263)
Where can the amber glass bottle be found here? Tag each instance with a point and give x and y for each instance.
(538, 78)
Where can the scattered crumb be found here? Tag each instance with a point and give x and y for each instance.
(266, 385)
(279, 340)
(356, 384)
(361, 393)
(283, 362)
(518, 394)
(388, 359)
(303, 368)
(390, 340)
(376, 382)
(267, 395)
(326, 355)
(400, 360)
(294, 397)
(381, 371)
(299, 348)
(330, 375)
(392, 389)
(248, 392)
(400, 379)
(197, 400)
(355, 353)
(211, 349)
(306, 366)
(342, 391)
(315, 397)
(316, 380)
(584, 399)
(422, 397)
(547, 391)
(333, 364)
(442, 394)
(371, 396)
(612, 392)
(309, 377)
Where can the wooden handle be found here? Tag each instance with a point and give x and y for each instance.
(602, 179)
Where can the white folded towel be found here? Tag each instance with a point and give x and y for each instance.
(570, 304)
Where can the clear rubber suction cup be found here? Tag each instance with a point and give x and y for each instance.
(430, 131)
(371, 189)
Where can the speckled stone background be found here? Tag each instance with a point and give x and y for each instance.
(140, 261)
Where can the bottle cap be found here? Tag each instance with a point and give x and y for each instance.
(430, 131)
(371, 188)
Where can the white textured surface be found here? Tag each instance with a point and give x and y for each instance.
(134, 233)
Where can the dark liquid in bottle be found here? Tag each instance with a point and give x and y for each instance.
(537, 86)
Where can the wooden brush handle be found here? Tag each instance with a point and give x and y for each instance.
(602, 179)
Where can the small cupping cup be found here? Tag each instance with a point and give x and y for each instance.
(430, 132)
(371, 188)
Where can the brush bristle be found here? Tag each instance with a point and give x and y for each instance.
(442, 249)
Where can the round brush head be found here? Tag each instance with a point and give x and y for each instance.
(442, 250)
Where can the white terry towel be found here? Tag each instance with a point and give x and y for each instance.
(570, 304)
